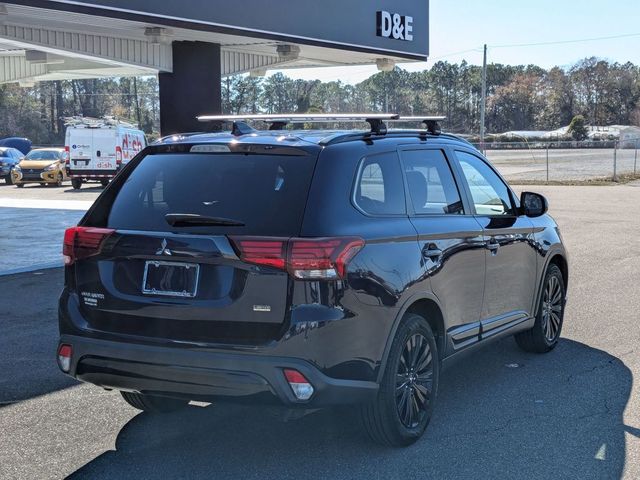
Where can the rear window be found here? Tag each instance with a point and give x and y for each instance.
(266, 193)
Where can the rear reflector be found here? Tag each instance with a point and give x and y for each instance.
(64, 357)
(302, 389)
(83, 242)
(303, 258)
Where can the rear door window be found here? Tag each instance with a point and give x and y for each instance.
(432, 188)
(266, 193)
(379, 189)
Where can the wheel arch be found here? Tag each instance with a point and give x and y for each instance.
(559, 259)
(427, 306)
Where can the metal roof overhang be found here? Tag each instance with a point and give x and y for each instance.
(56, 40)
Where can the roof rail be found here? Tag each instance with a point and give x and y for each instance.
(431, 122)
(279, 121)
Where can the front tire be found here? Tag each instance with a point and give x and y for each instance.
(20, 185)
(404, 405)
(76, 183)
(544, 335)
(8, 179)
(152, 403)
(59, 180)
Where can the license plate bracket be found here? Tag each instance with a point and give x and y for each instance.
(170, 279)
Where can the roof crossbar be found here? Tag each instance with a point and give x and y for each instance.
(280, 121)
(432, 123)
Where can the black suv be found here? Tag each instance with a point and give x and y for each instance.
(311, 268)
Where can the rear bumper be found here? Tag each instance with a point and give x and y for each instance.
(187, 373)
(91, 174)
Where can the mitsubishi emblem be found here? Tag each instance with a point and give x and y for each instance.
(163, 248)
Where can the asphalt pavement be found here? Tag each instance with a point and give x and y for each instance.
(573, 413)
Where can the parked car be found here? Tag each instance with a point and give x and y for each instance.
(23, 145)
(306, 268)
(98, 148)
(45, 166)
(9, 158)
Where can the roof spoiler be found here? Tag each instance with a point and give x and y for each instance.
(280, 121)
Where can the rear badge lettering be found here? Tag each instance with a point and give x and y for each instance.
(262, 308)
(90, 299)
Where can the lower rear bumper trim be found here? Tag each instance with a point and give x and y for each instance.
(203, 374)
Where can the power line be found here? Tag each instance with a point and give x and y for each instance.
(453, 54)
(563, 42)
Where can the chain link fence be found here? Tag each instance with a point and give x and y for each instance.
(560, 161)
(564, 161)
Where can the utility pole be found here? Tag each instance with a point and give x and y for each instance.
(483, 102)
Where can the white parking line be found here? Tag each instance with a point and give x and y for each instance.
(51, 204)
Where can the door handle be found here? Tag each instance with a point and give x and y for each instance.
(431, 252)
(493, 246)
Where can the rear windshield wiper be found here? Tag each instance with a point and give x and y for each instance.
(194, 220)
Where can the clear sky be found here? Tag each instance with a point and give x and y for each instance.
(459, 28)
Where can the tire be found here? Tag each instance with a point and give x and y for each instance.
(104, 183)
(152, 403)
(385, 420)
(76, 183)
(20, 185)
(545, 333)
(8, 179)
(59, 181)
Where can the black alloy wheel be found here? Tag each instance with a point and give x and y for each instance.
(403, 407)
(545, 333)
(414, 380)
(552, 306)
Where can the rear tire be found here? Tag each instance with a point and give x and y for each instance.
(152, 403)
(76, 183)
(404, 405)
(104, 183)
(20, 185)
(544, 335)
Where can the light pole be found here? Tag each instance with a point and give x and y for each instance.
(483, 102)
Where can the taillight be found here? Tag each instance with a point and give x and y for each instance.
(303, 258)
(118, 156)
(270, 252)
(67, 155)
(83, 242)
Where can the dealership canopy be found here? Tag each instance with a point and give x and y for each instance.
(191, 44)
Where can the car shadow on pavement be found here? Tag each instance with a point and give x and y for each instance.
(29, 335)
(502, 414)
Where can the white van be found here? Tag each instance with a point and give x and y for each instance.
(96, 149)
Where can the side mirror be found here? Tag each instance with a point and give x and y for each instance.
(533, 204)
